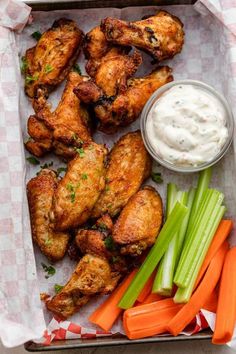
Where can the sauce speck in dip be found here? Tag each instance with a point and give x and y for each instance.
(186, 126)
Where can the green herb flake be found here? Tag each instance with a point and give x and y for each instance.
(115, 259)
(30, 78)
(46, 165)
(48, 242)
(23, 65)
(107, 188)
(32, 160)
(80, 151)
(58, 288)
(48, 68)
(156, 177)
(77, 69)
(36, 35)
(71, 188)
(60, 170)
(101, 226)
(109, 243)
(84, 176)
(49, 270)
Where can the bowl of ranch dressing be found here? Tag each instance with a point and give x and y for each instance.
(187, 126)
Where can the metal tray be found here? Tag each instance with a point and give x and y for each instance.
(47, 5)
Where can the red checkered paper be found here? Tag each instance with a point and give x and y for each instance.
(209, 54)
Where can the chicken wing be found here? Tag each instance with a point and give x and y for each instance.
(49, 62)
(139, 222)
(67, 127)
(126, 107)
(161, 35)
(80, 188)
(93, 275)
(129, 164)
(40, 192)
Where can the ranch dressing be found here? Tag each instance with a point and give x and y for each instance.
(187, 126)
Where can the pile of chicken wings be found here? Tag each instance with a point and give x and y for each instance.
(99, 210)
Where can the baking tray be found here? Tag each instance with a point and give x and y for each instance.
(115, 340)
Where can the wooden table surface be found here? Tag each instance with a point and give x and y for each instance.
(192, 347)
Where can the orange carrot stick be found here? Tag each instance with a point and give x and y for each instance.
(147, 288)
(149, 319)
(200, 296)
(226, 309)
(107, 313)
(211, 303)
(152, 298)
(221, 234)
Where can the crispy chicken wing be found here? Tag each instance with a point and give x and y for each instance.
(124, 108)
(67, 127)
(49, 62)
(129, 164)
(161, 35)
(139, 222)
(80, 188)
(93, 275)
(40, 192)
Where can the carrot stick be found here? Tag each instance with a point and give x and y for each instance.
(107, 313)
(221, 234)
(200, 296)
(152, 298)
(147, 288)
(150, 319)
(226, 309)
(211, 303)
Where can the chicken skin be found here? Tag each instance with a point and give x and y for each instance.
(79, 189)
(92, 276)
(160, 35)
(139, 222)
(62, 130)
(49, 62)
(40, 192)
(129, 164)
(126, 107)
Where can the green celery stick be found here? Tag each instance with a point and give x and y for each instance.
(172, 192)
(171, 226)
(169, 260)
(183, 295)
(189, 259)
(203, 184)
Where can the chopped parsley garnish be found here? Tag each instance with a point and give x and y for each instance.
(71, 188)
(48, 242)
(115, 259)
(107, 188)
(30, 78)
(156, 177)
(36, 35)
(77, 69)
(48, 68)
(23, 65)
(84, 176)
(109, 243)
(80, 151)
(58, 288)
(74, 136)
(49, 270)
(60, 170)
(46, 165)
(33, 160)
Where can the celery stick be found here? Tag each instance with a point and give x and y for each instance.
(169, 229)
(172, 192)
(188, 256)
(203, 184)
(183, 295)
(169, 260)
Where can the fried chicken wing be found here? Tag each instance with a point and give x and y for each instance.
(49, 62)
(124, 108)
(129, 164)
(67, 127)
(139, 222)
(40, 192)
(93, 275)
(80, 188)
(161, 35)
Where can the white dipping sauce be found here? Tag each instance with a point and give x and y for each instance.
(187, 126)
